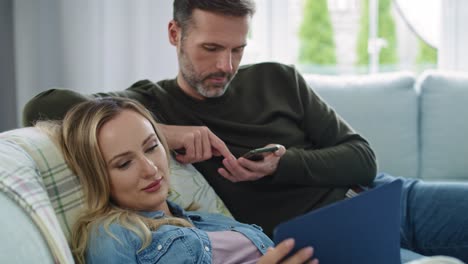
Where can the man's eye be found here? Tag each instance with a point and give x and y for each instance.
(238, 50)
(152, 148)
(124, 165)
(210, 48)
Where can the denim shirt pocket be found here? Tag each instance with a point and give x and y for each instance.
(169, 247)
(255, 235)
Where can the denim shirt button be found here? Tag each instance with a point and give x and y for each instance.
(262, 246)
(159, 247)
(231, 227)
(207, 248)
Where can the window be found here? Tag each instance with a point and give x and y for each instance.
(343, 36)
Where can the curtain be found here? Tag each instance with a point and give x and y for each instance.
(442, 24)
(90, 45)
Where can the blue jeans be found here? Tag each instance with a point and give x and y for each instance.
(434, 218)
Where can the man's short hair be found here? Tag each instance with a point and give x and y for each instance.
(183, 9)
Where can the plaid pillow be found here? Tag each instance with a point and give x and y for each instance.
(187, 184)
(20, 180)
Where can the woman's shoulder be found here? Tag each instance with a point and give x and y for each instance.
(113, 233)
(111, 242)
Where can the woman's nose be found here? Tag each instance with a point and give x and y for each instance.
(149, 168)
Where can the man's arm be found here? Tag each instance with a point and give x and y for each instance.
(339, 156)
(199, 143)
(51, 104)
(331, 154)
(54, 103)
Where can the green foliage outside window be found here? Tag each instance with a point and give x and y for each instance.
(316, 34)
(427, 54)
(386, 30)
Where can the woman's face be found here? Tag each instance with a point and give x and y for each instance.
(136, 162)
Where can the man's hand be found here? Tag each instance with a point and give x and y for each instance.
(198, 143)
(276, 254)
(242, 169)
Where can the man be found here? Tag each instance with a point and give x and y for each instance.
(215, 111)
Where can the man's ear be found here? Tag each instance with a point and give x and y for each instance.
(174, 32)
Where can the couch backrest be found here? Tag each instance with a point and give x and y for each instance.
(384, 109)
(444, 125)
(20, 181)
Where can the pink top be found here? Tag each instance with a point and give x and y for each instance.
(232, 247)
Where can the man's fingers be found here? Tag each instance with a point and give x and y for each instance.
(223, 172)
(280, 152)
(197, 138)
(198, 141)
(206, 145)
(219, 146)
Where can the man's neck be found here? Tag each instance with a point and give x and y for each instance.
(187, 89)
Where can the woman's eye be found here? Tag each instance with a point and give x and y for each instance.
(123, 165)
(151, 149)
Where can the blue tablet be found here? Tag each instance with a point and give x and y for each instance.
(363, 229)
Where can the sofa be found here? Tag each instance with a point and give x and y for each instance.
(415, 124)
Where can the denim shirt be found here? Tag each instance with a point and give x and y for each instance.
(170, 244)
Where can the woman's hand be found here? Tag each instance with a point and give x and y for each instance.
(276, 254)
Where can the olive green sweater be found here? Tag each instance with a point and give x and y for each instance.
(265, 103)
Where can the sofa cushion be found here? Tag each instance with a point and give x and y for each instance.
(382, 108)
(13, 248)
(444, 126)
(20, 181)
(187, 184)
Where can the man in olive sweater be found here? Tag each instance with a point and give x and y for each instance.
(216, 111)
(324, 156)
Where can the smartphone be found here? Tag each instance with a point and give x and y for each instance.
(257, 154)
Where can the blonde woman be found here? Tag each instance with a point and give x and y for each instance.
(120, 157)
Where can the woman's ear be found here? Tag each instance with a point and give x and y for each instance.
(174, 32)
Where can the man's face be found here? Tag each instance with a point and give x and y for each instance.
(209, 52)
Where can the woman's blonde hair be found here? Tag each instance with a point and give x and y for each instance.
(78, 140)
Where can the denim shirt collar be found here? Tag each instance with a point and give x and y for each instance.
(175, 209)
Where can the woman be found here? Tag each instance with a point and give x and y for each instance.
(115, 148)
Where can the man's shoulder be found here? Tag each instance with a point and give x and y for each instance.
(150, 88)
(266, 66)
(270, 73)
(143, 85)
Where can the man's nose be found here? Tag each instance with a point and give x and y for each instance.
(225, 62)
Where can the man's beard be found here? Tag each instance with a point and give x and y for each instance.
(207, 90)
(196, 81)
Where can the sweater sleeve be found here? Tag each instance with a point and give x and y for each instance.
(54, 103)
(339, 156)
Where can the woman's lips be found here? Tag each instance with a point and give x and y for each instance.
(154, 186)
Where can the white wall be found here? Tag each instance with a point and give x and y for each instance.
(90, 45)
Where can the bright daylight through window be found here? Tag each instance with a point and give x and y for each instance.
(346, 36)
